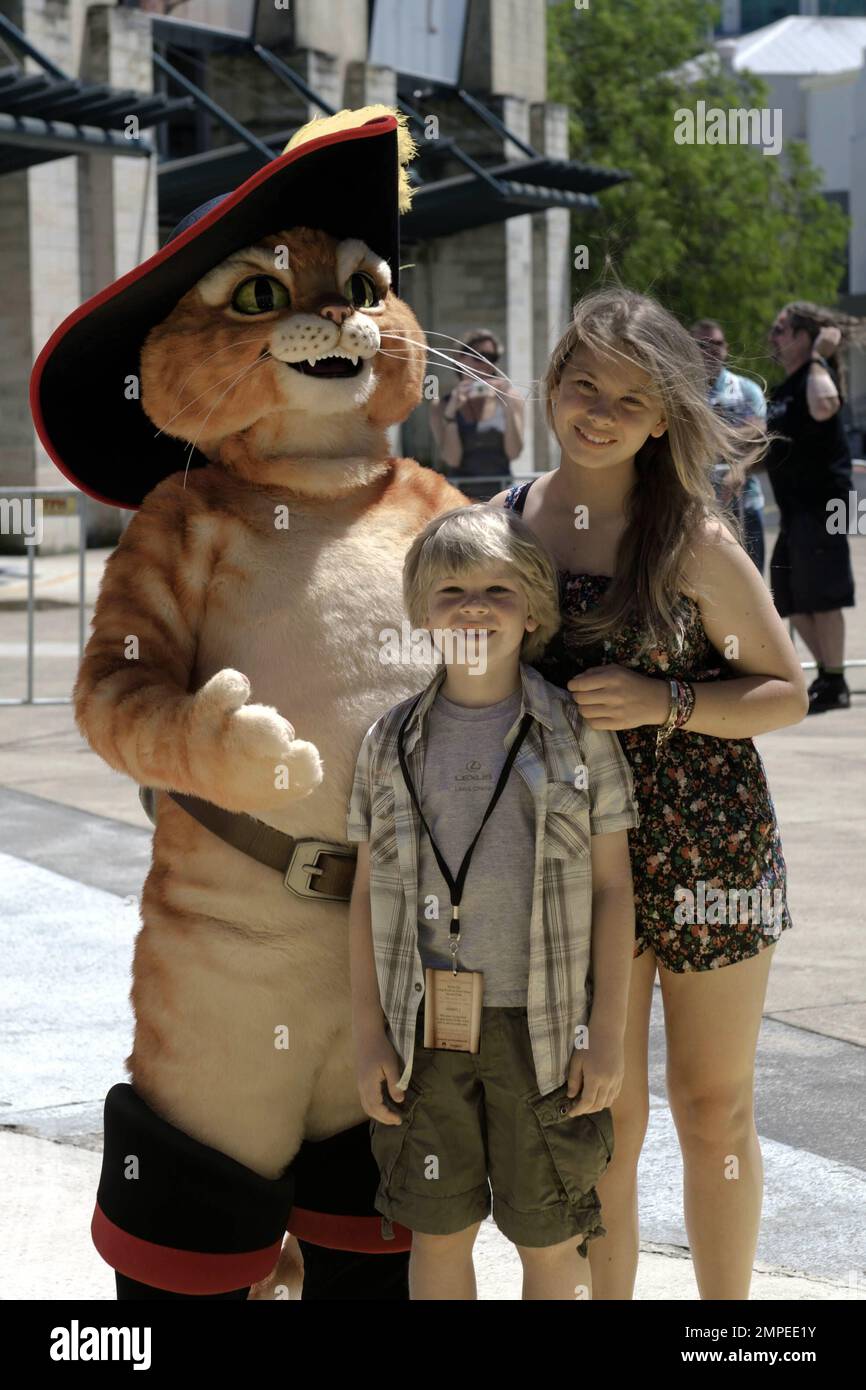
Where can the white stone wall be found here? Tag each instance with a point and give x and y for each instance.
(553, 254)
(16, 331)
(829, 121)
(506, 48)
(68, 226)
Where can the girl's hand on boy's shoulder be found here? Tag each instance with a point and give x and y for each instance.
(595, 1073)
(615, 697)
(379, 1069)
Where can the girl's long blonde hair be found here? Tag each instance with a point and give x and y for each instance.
(673, 497)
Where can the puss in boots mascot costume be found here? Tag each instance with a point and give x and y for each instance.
(234, 667)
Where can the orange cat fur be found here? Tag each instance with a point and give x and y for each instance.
(247, 631)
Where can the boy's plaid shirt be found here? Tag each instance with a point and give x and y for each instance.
(557, 743)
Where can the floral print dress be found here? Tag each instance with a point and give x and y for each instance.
(709, 874)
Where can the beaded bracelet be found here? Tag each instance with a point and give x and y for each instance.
(686, 704)
(682, 704)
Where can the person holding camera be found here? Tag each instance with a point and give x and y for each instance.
(478, 426)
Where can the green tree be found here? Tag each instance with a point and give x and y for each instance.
(720, 231)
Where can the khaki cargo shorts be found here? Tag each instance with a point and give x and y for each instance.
(472, 1122)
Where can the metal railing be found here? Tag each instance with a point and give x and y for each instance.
(80, 510)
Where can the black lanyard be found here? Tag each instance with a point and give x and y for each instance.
(455, 886)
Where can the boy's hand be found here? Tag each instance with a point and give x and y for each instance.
(596, 1073)
(379, 1070)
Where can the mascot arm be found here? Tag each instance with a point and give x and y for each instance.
(132, 699)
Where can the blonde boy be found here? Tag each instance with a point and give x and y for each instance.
(545, 910)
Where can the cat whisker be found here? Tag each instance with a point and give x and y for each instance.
(463, 347)
(406, 356)
(262, 338)
(245, 371)
(459, 366)
(206, 392)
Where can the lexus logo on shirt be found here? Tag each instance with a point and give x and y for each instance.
(473, 773)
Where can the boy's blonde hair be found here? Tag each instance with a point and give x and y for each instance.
(673, 498)
(468, 538)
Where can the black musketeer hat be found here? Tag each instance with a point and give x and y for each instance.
(343, 174)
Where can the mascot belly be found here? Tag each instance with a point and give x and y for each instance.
(235, 663)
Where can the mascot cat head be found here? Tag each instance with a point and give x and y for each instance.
(287, 362)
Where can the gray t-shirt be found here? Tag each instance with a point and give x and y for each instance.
(463, 758)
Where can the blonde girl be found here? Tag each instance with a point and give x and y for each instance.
(671, 638)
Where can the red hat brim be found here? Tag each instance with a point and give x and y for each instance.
(90, 422)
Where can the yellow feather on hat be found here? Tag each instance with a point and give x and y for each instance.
(348, 120)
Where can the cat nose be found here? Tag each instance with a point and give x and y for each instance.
(335, 308)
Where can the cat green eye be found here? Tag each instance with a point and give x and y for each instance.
(260, 295)
(361, 289)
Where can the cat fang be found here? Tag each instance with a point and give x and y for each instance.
(329, 366)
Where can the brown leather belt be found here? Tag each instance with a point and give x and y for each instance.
(299, 861)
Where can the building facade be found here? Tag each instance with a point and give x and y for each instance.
(488, 245)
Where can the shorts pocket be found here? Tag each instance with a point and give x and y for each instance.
(580, 1147)
(567, 822)
(388, 1141)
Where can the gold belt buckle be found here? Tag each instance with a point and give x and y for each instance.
(303, 867)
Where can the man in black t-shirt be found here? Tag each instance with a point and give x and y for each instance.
(809, 468)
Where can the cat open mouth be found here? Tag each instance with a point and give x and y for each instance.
(329, 366)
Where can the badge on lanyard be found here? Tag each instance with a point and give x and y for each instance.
(452, 1008)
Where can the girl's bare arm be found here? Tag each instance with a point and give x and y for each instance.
(742, 622)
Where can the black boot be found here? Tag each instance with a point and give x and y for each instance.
(833, 693)
(818, 682)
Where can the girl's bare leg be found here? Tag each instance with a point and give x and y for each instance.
(712, 1020)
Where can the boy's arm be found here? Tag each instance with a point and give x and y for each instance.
(612, 934)
(368, 1020)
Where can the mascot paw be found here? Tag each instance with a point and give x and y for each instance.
(258, 764)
